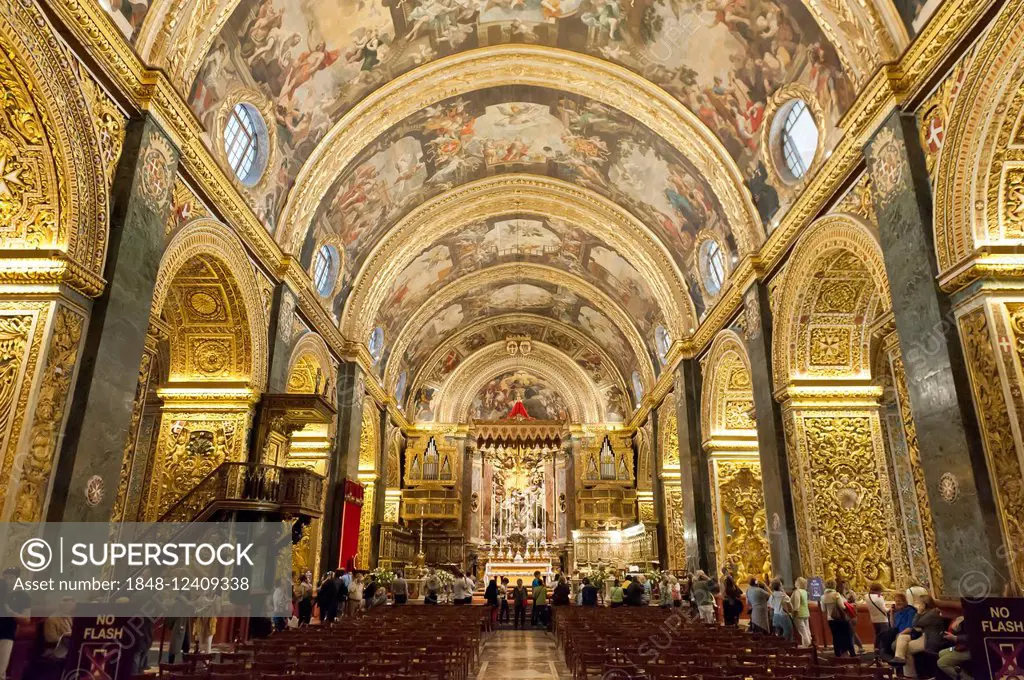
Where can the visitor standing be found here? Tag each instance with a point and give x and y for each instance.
(355, 595)
(703, 597)
(878, 610)
(370, 592)
(757, 599)
(781, 607)
(459, 591)
(491, 598)
(634, 592)
(560, 595)
(834, 607)
(732, 602)
(400, 588)
(801, 612)
(618, 595)
(327, 598)
(503, 594)
(588, 594)
(519, 597)
(282, 603)
(540, 605)
(304, 599)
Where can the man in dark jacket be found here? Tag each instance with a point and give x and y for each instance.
(634, 592)
(589, 597)
(327, 599)
(560, 596)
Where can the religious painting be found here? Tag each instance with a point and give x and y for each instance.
(540, 131)
(500, 395)
(616, 405)
(916, 13)
(593, 364)
(549, 242)
(527, 296)
(127, 14)
(423, 404)
(723, 60)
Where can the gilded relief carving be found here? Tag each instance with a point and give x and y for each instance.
(675, 519)
(141, 389)
(830, 347)
(847, 501)
(741, 523)
(994, 418)
(29, 184)
(51, 404)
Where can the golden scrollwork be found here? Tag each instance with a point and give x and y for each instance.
(51, 405)
(668, 427)
(727, 401)
(997, 432)
(741, 523)
(846, 500)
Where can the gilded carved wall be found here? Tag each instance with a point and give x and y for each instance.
(672, 491)
(987, 370)
(741, 527)
(369, 476)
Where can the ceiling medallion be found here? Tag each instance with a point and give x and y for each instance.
(949, 487)
(518, 344)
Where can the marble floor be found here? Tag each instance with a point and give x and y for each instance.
(522, 655)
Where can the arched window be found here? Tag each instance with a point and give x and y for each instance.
(662, 342)
(245, 136)
(712, 266)
(799, 138)
(325, 269)
(376, 343)
(638, 387)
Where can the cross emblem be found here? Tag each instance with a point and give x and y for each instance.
(1005, 344)
(936, 133)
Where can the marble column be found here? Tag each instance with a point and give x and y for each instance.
(697, 510)
(100, 413)
(349, 393)
(657, 459)
(966, 524)
(771, 443)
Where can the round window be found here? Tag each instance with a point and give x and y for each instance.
(799, 138)
(245, 143)
(712, 266)
(376, 343)
(325, 269)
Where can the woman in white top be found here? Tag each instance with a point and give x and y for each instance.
(355, 595)
(878, 609)
(781, 607)
(461, 593)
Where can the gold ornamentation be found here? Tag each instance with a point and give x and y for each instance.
(858, 201)
(94, 491)
(741, 522)
(830, 347)
(997, 432)
(108, 120)
(669, 429)
(675, 520)
(51, 404)
(887, 165)
(29, 180)
(157, 172)
(846, 502)
(1013, 202)
(128, 457)
(949, 487)
(727, 398)
(529, 65)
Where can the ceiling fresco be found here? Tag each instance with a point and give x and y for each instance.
(551, 242)
(496, 398)
(528, 296)
(314, 60)
(519, 129)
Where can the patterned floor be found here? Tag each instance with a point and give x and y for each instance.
(522, 655)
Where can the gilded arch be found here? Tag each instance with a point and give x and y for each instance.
(833, 287)
(428, 373)
(979, 186)
(581, 396)
(502, 66)
(513, 194)
(515, 272)
(47, 134)
(311, 368)
(211, 242)
(727, 399)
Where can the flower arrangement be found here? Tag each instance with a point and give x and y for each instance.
(385, 577)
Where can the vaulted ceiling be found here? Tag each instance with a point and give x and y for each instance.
(548, 168)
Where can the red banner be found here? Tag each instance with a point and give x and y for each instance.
(350, 514)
